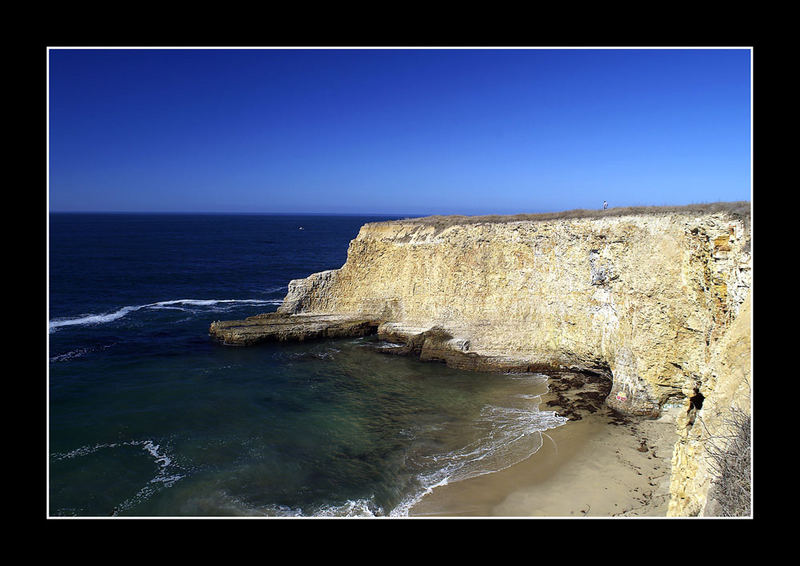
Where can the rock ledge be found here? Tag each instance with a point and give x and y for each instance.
(279, 327)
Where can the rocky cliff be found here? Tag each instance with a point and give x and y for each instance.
(648, 298)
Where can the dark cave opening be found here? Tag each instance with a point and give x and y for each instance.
(696, 401)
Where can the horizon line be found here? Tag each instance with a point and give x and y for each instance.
(405, 214)
(295, 213)
(410, 47)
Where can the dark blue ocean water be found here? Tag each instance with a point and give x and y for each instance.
(147, 416)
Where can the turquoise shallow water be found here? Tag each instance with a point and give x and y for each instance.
(149, 417)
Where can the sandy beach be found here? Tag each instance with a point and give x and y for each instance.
(599, 464)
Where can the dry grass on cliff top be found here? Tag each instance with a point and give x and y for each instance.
(738, 209)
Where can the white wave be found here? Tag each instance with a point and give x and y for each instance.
(405, 506)
(283, 511)
(351, 508)
(165, 476)
(210, 302)
(161, 459)
(511, 436)
(92, 319)
(221, 502)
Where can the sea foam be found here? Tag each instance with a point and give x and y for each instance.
(93, 319)
(511, 435)
(165, 476)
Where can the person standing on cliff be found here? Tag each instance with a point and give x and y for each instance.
(605, 205)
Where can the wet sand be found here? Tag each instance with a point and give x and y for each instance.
(599, 464)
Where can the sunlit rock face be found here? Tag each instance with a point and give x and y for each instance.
(645, 298)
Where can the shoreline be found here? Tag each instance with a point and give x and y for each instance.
(600, 464)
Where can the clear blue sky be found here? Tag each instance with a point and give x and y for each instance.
(406, 131)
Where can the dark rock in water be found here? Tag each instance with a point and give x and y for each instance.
(289, 327)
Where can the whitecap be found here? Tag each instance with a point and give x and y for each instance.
(165, 476)
(351, 508)
(95, 319)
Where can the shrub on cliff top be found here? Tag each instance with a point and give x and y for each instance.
(738, 209)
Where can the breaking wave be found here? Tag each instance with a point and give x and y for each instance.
(166, 473)
(182, 304)
(511, 435)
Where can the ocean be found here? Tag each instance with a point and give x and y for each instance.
(149, 417)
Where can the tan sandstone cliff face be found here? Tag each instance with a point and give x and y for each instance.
(727, 387)
(648, 298)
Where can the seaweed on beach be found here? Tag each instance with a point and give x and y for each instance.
(578, 393)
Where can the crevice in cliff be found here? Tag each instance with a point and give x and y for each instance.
(696, 400)
(695, 404)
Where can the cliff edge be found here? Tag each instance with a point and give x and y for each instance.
(658, 300)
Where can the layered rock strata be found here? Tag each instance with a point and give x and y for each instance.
(278, 327)
(646, 299)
